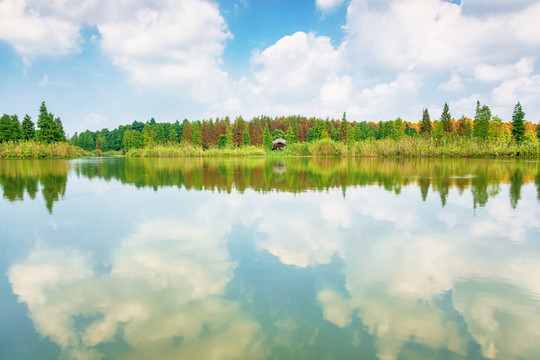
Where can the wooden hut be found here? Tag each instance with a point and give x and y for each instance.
(279, 144)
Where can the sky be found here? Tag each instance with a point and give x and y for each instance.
(99, 64)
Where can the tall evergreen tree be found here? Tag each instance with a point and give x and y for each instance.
(518, 124)
(5, 128)
(28, 129)
(246, 140)
(425, 125)
(48, 130)
(267, 137)
(342, 137)
(446, 119)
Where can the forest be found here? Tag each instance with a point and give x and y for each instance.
(260, 131)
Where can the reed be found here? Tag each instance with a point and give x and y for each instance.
(38, 150)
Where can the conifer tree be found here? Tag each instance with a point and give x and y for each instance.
(425, 125)
(446, 119)
(343, 129)
(246, 140)
(28, 130)
(267, 137)
(518, 125)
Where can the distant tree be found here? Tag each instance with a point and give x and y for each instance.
(425, 125)
(246, 140)
(173, 135)
(518, 124)
(196, 133)
(137, 125)
(5, 128)
(148, 135)
(186, 132)
(60, 134)
(464, 126)
(446, 119)
(399, 129)
(159, 134)
(538, 132)
(343, 127)
(277, 133)
(481, 121)
(267, 138)
(289, 135)
(28, 129)
(222, 142)
(496, 127)
(50, 129)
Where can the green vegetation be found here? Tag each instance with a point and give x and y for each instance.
(486, 136)
(39, 150)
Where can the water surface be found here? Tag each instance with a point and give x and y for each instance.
(259, 258)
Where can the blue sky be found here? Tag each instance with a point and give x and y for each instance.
(99, 63)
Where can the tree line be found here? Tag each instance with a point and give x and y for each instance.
(262, 130)
(49, 128)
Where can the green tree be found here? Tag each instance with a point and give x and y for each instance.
(222, 142)
(196, 133)
(267, 138)
(446, 119)
(5, 128)
(518, 124)
(49, 130)
(246, 140)
(173, 135)
(60, 134)
(481, 121)
(28, 129)
(276, 134)
(425, 125)
(343, 127)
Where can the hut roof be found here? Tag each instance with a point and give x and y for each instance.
(279, 140)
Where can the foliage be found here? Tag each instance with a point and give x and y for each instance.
(425, 125)
(38, 150)
(518, 125)
(446, 119)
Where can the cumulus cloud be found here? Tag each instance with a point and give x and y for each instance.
(328, 5)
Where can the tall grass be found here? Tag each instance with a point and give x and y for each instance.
(38, 150)
(189, 150)
(411, 147)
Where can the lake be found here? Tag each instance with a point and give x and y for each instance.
(268, 258)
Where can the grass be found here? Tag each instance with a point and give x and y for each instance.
(190, 150)
(38, 150)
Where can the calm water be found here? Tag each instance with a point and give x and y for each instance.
(269, 259)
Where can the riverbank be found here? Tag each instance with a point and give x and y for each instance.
(410, 147)
(38, 150)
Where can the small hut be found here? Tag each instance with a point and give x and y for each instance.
(279, 144)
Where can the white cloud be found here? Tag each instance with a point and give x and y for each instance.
(490, 73)
(33, 33)
(453, 84)
(328, 5)
(93, 122)
(169, 43)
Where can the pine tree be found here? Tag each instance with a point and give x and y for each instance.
(425, 125)
(186, 132)
(246, 140)
(48, 129)
(267, 137)
(446, 119)
(343, 129)
(173, 136)
(28, 130)
(518, 125)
